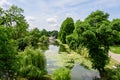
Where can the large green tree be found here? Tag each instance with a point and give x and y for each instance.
(13, 17)
(8, 62)
(35, 36)
(115, 24)
(97, 35)
(67, 28)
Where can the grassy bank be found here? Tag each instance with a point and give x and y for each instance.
(115, 49)
(112, 63)
(80, 58)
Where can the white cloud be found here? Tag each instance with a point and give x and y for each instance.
(5, 3)
(30, 18)
(52, 20)
(31, 21)
(53, 23)
(53, 27)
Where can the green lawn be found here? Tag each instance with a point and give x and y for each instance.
(115, 49)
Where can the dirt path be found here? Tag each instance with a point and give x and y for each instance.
(115, 56)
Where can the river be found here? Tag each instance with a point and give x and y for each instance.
(78, 72)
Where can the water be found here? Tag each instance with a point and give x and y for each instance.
(78, 72)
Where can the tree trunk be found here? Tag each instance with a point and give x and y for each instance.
(102, 73)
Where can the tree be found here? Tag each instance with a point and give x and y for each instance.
(24, 42)
(35, 36)
(1, 16)
(13, 17)
(72, 41)
(97, 35)
(32, 64)
(115, 24)
(44, 39)
(8, 60)
(67, 28)
(54, 33)
(44, 32)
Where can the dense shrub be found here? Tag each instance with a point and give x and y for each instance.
(113, 74)
(32, 64)
(62, 74)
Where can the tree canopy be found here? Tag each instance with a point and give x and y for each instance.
(96, 33)
(67, 28)
(8, 63)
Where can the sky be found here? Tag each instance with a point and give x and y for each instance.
(49, 14)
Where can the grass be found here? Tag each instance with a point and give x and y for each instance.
(112, 63)
(115, 49)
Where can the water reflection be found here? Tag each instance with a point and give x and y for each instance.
(44, 47)
(80, 73)
(62, 49)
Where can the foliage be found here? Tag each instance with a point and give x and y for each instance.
(113, 74)
(32, 64)
(24, 42)
(13, 17)
(8, 60)
(96, 34)
(83, 51)
(67, 28)
(39, 37)
(35, 35)
(54, 33)
(61, 74)
(115, 24)
(44, 39)
(72, 41)
(44, 32)
(96, 18)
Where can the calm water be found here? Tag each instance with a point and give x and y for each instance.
(78, 72)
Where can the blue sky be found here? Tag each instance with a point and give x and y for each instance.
(49, 14)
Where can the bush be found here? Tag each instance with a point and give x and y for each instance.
(62, 74)
(113, 74)
(32, 64)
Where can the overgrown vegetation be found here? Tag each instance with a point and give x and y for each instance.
(8, 59)
(32, 64)
(14, 38)
(61, 74)
(88, 40)
(113, 74)
(96, 33)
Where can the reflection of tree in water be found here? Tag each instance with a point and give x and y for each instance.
(44, 46)
(62, 49)
(55, 43)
